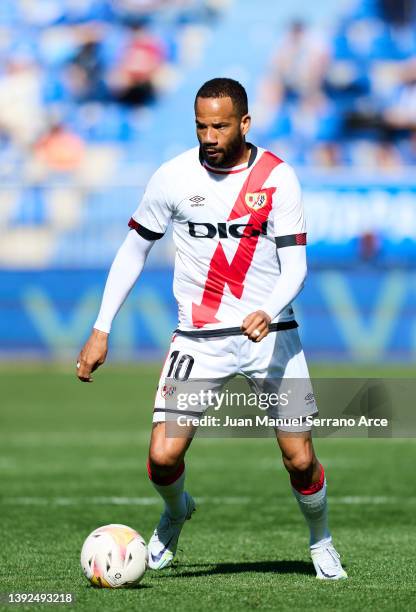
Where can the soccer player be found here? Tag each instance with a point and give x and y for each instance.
(239, 230)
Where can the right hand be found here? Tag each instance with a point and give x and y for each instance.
(92, 355)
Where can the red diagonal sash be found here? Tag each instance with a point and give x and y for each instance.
(221, 272)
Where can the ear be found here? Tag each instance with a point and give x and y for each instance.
(245, 124)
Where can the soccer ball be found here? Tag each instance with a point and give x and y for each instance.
(114, 556)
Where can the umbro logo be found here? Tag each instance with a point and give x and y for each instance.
(197, 200)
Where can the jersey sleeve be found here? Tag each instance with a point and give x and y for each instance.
(154, 212)
(288, 213)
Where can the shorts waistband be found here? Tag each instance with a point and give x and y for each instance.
(232, 331)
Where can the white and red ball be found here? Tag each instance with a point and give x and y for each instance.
(114, 556)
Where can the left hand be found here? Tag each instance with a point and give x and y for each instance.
(256, 325)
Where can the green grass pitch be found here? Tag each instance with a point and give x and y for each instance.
(73, 458)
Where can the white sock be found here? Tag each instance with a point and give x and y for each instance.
(173, 496)
(314, 509)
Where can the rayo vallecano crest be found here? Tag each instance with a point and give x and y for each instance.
(256, 200)
(167, 391)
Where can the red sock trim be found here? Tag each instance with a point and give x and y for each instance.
(166, 480)
(313, 488)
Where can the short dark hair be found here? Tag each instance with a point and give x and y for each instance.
(225, 88)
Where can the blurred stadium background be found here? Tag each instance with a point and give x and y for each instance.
(94, 95)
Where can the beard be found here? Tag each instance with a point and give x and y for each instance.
(224, 157)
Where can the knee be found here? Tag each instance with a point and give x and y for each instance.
(163, 459)
(300, 463)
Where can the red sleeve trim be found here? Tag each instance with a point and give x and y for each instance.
(301, 239)
(143, 231)
(290, 240)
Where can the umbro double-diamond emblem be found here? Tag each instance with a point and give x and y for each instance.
(196, 199)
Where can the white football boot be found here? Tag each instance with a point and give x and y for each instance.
(164, 541)
(327, 561)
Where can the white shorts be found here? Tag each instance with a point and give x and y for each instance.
(210, 362)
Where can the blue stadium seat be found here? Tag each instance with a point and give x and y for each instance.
(341, 49)
(31, 208)
(98, 122)
(9, 12)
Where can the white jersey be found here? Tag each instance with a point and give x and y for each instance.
(226, 225)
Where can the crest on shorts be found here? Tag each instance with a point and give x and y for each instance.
(256, 200)
(167, 391)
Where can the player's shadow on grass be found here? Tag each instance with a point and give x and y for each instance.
(275, 567)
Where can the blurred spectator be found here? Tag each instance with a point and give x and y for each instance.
(398, 12)
(369, 247)
(60, 149)
(84, 75)
(298, 68)
(21, 110)
(133, 80)
(400, 114)
(326, 155)
(387, 156)
(300, 63)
